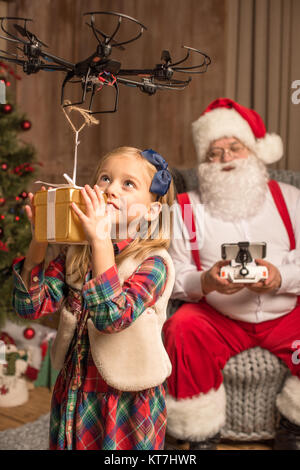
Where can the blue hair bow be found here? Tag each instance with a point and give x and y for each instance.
(162, 179)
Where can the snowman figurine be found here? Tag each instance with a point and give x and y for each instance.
(34, 339)
(13, 365)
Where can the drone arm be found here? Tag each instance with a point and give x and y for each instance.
(58, 60)
(174, 86)
(138, 72)
(52, 67)
(11, 59)
(125, 81)
(144, 86)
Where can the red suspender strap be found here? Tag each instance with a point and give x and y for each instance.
(188, 217)
(283, 211)
(189, 220)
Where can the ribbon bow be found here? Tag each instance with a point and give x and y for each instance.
(162, 179)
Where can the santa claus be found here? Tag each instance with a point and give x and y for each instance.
(235, 202)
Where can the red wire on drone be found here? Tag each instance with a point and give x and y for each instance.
(105, 81)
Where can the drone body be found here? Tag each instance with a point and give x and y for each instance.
(98, 70)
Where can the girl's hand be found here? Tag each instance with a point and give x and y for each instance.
(96, 221)
(30, 211)
(37, 250)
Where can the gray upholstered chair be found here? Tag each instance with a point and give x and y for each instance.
(253, 378)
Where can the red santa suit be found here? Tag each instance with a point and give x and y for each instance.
(205, 332)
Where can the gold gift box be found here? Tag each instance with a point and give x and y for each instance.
(68, 228)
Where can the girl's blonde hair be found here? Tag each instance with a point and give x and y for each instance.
(155, 235)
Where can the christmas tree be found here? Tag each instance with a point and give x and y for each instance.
(16, 172)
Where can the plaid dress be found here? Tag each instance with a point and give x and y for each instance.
(86, 413)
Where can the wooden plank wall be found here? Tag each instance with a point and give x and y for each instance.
(162, 121)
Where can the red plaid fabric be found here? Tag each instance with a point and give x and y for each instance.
(86, 413)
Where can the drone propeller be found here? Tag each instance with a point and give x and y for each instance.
(27, 34)
(108, 38)
(115, 44)
(150, 86)
(12, 37)
(191, 69)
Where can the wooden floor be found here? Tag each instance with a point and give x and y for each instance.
(39, 404)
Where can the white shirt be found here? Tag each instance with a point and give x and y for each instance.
(267, 226)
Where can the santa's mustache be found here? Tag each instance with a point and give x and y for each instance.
(236, 193)
(239, 164)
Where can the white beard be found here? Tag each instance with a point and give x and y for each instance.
(235, 194)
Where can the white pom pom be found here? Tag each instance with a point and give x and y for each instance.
(269, 149)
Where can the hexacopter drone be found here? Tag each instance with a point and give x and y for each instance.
(98, 69)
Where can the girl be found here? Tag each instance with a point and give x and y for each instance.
(113, 295)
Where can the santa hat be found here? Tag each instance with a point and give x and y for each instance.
(226, 118)
(7, 339)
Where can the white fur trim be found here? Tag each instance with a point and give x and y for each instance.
(131, 359)
(288, 401)
(66, 329)
(269, 149)
(197, 418)
(223, 122)
(134, 358)
(218, 123)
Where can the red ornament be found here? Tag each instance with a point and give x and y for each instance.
(22, 169)
(3, 246)
(26, 125)
(29, 333)
(4, 166)
(2, 201)
(17, 218)
(23, 195)
(7, 108)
